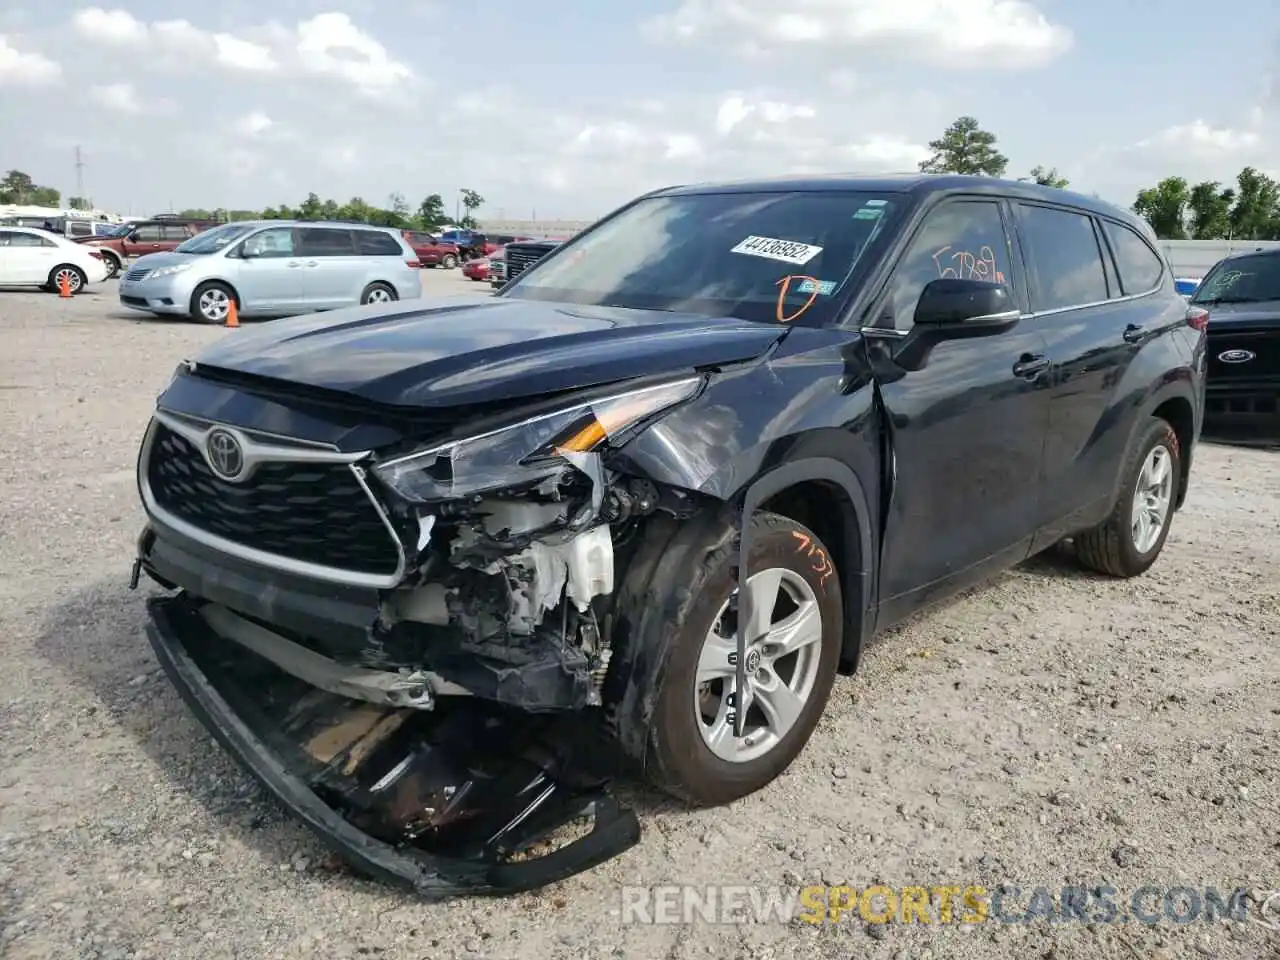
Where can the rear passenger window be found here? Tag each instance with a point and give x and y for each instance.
(373, 243)
(320, 242)
(1140, 266)
(1065, 260)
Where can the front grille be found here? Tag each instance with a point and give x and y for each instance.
(521, 258)
(135, 301)
(313, 512)
(137, 273)
(1263, 344)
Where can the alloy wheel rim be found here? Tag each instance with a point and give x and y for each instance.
(379, 296)
(784, 652)
(72, 278)
(1151, 499)
(214, 304)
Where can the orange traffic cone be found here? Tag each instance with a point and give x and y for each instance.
(64, 286)
(232, 319)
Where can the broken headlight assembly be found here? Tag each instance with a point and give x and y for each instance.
(530, 451)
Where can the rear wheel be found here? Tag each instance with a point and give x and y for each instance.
(211, 302)
(378, 293)
(793, 645)
(1128, 542)
(71, 274)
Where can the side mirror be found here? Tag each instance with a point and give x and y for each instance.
(971, 304)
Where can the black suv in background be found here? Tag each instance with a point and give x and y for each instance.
(1242, 295)
(432, 566)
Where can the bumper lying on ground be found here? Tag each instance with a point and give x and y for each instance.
(456, 801)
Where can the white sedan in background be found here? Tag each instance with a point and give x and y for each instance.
(38, 258)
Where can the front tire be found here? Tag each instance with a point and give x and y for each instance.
(1128, 542)
(211, 302)
(113, 265)
(449, 261)
(792, 653)
(378, 293)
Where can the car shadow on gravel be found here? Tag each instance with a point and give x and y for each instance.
(97, 640)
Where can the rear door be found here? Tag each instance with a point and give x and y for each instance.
(968, 419)
(1095, 313)
(333, 272)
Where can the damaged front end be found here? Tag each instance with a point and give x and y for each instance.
(419, 702)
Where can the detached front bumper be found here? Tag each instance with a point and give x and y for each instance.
(466, 799)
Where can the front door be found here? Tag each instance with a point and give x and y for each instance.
(269, 276)
(967, 422)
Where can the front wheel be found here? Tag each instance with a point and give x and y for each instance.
(1127, 543)
(793, 646)
(211, 302)
(113, 265)
(378, 293)
(449, 261)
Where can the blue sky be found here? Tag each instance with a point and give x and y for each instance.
(568, 108)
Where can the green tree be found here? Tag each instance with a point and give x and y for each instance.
(312, 208)
(431, 215)
(1256, 211)
(1165, 207)
(965, 147)
(471, 202)
(16, 187)
(1210, 210)
(79, 203)
(1049, 178)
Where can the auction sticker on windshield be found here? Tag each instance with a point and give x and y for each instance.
(771, 248)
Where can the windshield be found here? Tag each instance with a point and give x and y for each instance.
(211, 241)
(772, 257)
(1242, 280)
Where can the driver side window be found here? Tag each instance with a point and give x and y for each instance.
(273, 242)
(961, 239)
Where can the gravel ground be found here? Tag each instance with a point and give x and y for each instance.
(1050, 728)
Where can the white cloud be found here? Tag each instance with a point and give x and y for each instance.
(19, 68)
(327, 45)
(983, 33)
(253, 124)
(121, 97)
(117, 27)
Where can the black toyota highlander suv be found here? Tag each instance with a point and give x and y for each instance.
(432, 568)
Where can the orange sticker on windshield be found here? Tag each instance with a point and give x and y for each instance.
(785, 284)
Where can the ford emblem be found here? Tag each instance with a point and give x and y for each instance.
(1236, 356)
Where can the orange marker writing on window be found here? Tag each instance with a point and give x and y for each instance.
(785, 284)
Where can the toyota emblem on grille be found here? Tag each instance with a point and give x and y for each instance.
(225, 455)
(1236, 356)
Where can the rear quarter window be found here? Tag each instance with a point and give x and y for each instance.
(373, 243)
(1140, 267)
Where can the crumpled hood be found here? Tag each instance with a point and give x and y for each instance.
(447, 353)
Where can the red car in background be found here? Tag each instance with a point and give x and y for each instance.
(478, 269)
(432, 251)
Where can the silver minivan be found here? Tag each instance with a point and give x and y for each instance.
(274, 268)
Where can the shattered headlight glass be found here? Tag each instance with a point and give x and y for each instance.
(526, 452)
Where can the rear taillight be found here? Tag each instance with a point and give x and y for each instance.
(415, 264)
(95, 254)
(1198, 318)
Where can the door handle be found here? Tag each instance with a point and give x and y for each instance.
(1030, 365)
(1132, 333)
(294, 263)
(313, 263)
